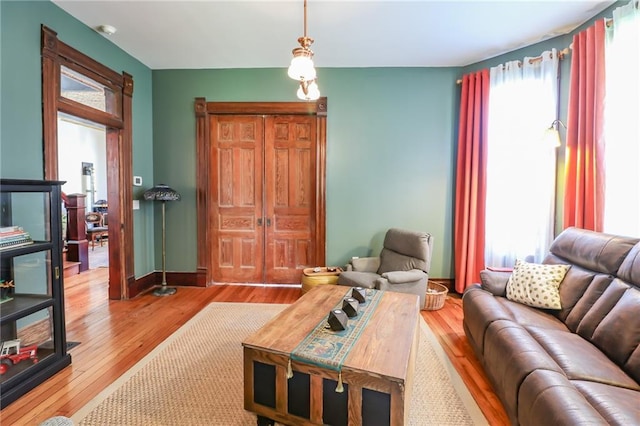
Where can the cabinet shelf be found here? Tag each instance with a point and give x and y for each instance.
(28, 249)
(33, 315)
(22, 305)
(15, 370)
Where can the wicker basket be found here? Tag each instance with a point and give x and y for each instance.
(436, 295)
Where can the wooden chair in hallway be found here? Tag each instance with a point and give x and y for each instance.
(96, 228)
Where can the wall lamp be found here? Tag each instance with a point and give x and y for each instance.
(552, 134)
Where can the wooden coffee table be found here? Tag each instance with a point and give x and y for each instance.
(377, 372)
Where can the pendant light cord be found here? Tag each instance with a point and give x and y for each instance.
(305, 18)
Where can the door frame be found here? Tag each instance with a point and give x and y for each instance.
(118, 123)
(204, 190)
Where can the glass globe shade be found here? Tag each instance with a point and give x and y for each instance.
(551, 137)
(300, 94)
(301, 68)
(313, 93)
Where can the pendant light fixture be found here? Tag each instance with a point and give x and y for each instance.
(302, 68)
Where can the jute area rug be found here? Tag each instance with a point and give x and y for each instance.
(195, 377)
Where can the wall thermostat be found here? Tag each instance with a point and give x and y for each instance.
(137, 181)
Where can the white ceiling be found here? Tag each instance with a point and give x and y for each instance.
(350, 33)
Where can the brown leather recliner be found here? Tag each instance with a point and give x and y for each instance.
(576, 365)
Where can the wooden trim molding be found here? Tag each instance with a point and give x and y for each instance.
(202, 179)
(152, 279)
(124, 159)
(118, 121)
(144, 283)
(50, 94)
(318, 107)
(321, 183)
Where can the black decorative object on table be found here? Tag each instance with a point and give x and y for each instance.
(359, 294)
(337, 320)
(163, 193)
(350, 306)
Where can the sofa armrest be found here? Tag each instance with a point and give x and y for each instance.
(364, 264)
(495, 282)
(401, 277)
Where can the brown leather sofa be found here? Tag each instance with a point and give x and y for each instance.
(575, 366)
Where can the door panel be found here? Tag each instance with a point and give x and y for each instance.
(236, 154)
(293, 160)
(290, 196)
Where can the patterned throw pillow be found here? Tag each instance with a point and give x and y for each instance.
(536, 285)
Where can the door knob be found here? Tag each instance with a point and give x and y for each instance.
(259, 221)
(268, 222)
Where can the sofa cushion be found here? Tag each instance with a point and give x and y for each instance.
(528, 316)
(364, 264)
(601, 308)
(358, 279)
(580, 293)
(403, 277)
(480, 309)
(392, 261)
(630, 268)
(495, 282)
(510, 355)
(405, 250)
(591, 364)
(596, 251)
(619, 406)
(549, 398)
(536, 285)
(618, 334)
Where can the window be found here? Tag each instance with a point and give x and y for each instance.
(85, 90)
(622, 123)
(520, 204)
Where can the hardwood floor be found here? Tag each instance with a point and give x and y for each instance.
(114, 335)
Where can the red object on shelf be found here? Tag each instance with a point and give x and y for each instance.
(11, 354)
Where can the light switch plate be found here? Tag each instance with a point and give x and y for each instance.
(136, 204)
(137, 181)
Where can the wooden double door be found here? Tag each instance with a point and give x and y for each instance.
(263, 187)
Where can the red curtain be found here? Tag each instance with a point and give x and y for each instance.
(469, 220)
(584, 155)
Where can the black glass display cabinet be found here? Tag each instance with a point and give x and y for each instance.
(32, 328)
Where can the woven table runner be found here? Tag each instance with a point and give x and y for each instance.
(328, 349)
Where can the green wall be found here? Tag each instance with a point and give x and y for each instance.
(391, 143)
(390, 162)
(21, 147)
(390, 140)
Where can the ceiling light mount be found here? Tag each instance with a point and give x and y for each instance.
(302, 68)
(106, 29)
(304, 41)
